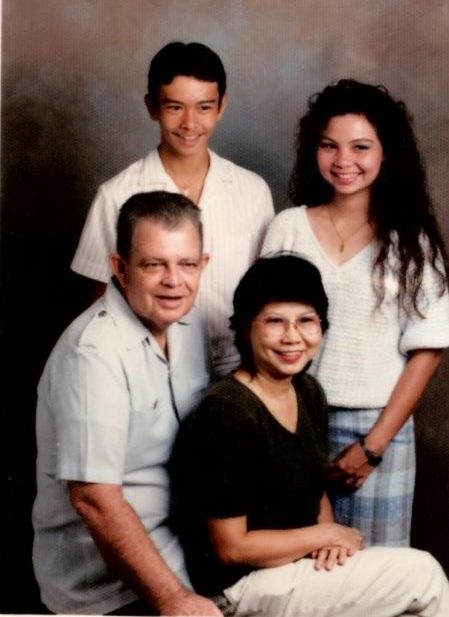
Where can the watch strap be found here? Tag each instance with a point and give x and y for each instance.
(372, 458)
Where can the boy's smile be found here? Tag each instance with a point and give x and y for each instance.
(188, 113)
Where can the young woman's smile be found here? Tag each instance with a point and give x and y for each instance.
(349, 154)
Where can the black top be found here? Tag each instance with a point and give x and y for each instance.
(233, 458)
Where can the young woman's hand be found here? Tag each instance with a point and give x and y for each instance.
(350, 468)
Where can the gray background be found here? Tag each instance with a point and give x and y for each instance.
(73, 83)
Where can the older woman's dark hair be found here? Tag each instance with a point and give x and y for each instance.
(278, 278)
(401, 207)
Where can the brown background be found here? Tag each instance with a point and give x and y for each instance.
(73, 83)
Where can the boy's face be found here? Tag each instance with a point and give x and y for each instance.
(188, 113)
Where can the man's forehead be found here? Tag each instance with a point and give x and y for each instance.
(159, 233)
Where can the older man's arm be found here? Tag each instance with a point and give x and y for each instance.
(130, 553)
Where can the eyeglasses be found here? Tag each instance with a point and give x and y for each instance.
(309, 325)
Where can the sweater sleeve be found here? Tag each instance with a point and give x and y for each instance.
(431, 330)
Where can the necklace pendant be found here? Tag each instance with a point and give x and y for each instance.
(342, 247)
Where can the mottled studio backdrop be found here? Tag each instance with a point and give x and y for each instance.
(73, 84)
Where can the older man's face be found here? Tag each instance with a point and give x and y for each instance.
(161, 278)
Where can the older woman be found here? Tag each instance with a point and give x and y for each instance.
(249, 476)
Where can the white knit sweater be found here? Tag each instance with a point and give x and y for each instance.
(365, 348)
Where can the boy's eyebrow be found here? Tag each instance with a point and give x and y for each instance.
(166, 99)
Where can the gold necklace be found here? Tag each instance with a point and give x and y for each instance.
(343, 240)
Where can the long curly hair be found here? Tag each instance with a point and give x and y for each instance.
(400, 206)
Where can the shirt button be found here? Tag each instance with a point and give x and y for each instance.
(102, 313)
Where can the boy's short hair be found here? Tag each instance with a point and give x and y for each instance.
(188, 59)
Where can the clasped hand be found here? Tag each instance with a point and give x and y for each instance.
(350, 468)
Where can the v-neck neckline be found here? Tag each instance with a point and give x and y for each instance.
(268, 413)
(324, 253)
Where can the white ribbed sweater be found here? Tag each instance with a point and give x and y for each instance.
(365, 350)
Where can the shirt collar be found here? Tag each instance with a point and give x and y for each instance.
(152, 168)
(219, 168)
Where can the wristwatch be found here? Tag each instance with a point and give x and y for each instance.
(373, 459)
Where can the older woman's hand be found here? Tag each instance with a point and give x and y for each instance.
(339, 543)
(330, 556)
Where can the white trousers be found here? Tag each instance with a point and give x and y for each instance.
(375, 582)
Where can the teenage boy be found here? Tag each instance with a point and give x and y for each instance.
(187, 97)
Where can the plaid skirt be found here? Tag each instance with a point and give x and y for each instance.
(382, 507)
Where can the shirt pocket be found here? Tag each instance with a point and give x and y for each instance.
(149, 435)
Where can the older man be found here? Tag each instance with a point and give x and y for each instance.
(110, 400)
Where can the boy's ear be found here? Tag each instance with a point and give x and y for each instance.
(223, 105)
(154, 113)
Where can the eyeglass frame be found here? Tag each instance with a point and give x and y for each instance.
(287, 323)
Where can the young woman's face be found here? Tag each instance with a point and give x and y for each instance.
(350, 154)
(284, 337)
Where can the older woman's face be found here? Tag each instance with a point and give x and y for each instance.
(284, 337)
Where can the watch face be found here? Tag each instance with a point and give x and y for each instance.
(373, 460)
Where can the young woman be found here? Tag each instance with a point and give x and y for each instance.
(249, 474)
(370, 229)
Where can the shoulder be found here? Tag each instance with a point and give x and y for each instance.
(292, 214)
(95, 328)
(313, 396)
(287, 221)
(108, 323)
(285, 230)
(227, 390)
(235, 172)
(307, 384)
(86, 339)
(314, 404)
(226, 403)
(130, 178)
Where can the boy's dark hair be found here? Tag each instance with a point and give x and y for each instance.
(188, 59)
(170, 209)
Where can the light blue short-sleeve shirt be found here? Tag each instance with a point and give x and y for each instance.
(109, 405)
